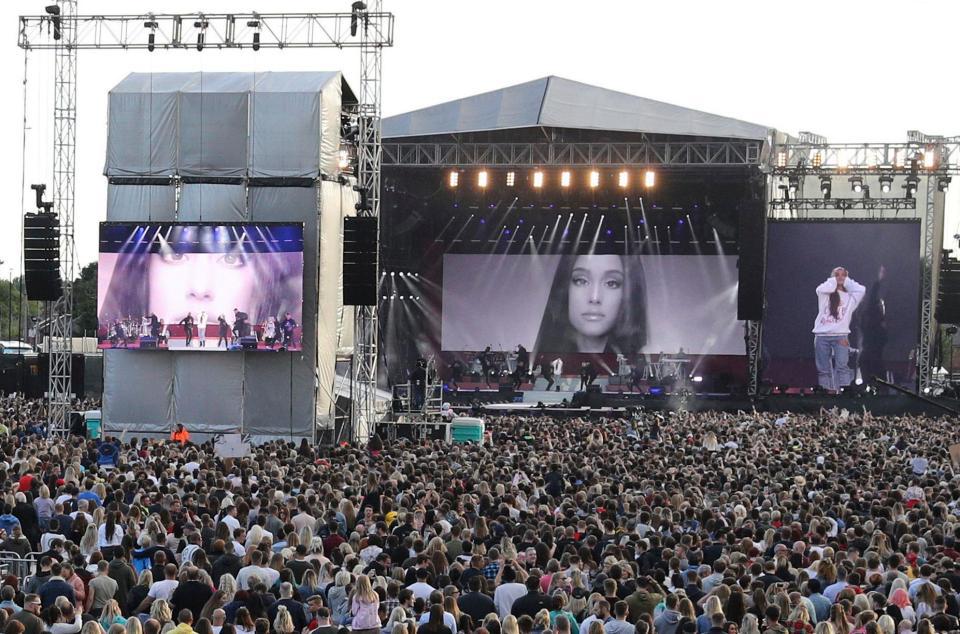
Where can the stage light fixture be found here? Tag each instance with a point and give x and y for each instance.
(482, 178)
(781, 158)
(594, 179)
(357, 10)
(793, 183)
(564, 179)
(511, 179)
(454, 178)
(623, 178)
(255, 24)
(856, 184)
(697, 379)
(943, 183)
(784, 191)
(152, 37)
(54, 12)
(538, 179)
(930, 157)
(886, 183)
(910, 189)
(817, 160)
(826, 186)
(343, 161)
(202, 33)
(649, 179)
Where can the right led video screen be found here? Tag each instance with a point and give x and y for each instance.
(842, 302)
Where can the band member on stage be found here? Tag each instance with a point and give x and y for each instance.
(485, 364)
(164, 336)
(241, 324)
(287, 327)
(588, 374)
(597, 304)
(187, 323)
(270, 331)
(546, 371)
(456, 373)
(837, 299)
(523, 363)
(224, 331)
(119, 335)
(154, 326)
(202, 328)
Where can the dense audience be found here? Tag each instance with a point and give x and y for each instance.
(683, 523)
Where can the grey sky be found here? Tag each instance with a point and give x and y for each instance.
(852, 70)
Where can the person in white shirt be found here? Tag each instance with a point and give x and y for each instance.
(229, 517)
(109, 533)
(256, 569)
(508, 591)
(837, 299)
(421, 589)
(160, 589)
(202, 328)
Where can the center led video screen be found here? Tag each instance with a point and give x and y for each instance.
(200, 287)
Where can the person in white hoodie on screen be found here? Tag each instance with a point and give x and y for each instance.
(837, 299)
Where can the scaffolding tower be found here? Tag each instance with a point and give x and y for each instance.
(365, 27)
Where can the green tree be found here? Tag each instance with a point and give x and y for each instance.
(85, 302)
(13, 308)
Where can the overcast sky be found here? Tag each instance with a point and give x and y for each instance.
(851, 70)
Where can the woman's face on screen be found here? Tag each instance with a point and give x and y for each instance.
(194, 282)
(596, 294)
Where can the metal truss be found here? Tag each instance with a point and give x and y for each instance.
(930, 260)
(930, 157)
(151, 31)
(369, 158)
(60, 388)
(845, 204)
(68, 32)
(662, 155)
(754, 331)
(935, 153)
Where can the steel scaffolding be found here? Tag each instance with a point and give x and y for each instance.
(369, 159)
(67, 32)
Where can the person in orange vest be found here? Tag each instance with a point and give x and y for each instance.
(180, 434)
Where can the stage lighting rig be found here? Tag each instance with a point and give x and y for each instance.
(255, 24)
(649, 179)
(793, 184)
(511, 179)
(826, 185)
(943, 182)
(856, 184)
(202, 33)
(358, 11)
(886, 183)
(152, 37)
(54, 12)
(910, 188)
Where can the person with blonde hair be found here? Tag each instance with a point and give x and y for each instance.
(364, 605)
(711, 607)
(750, 624)
(509, 625)
(111, 615)
(92, 627)
(283, 624)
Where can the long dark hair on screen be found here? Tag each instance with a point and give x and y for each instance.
(835, 304)
(629, 334)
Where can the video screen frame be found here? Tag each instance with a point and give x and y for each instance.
(201, 286)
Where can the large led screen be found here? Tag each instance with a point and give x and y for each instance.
(203, 287)
(842, 302)
(592, 303)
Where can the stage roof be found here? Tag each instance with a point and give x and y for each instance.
(562, 103)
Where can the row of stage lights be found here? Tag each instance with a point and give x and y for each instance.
(858, 186)
(538, 179)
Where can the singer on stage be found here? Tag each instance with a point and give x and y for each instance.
(837, 300)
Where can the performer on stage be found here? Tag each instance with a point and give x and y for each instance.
(241, 324)
(557, 367)
(288, 326)
(202, 328)
(485, 364)
(837, 300)
(546, 371)
(187, 323)
(164, 336)
(270, 331)
(588, 374)
(224, 331)
(523, 362)
(154, 326)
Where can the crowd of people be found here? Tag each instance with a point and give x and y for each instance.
(681, 523)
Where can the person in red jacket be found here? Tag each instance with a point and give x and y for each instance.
(180, 434)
